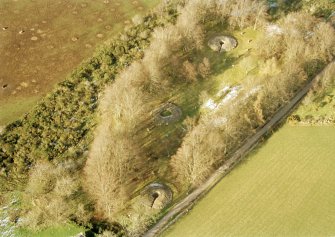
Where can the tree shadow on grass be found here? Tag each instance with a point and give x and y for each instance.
(261, 143)
(99, 226)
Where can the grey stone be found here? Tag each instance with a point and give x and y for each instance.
(222, 43)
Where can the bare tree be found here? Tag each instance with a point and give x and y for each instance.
(196, 157)
(189, 71)
(246, 13)
(258, 107)
(106, 174)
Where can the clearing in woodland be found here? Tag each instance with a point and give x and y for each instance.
(283, 189)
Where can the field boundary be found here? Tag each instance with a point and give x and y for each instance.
(181, 208)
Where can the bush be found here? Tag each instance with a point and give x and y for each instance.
(219, 134)
(41, 179)
(54, 196)
(64, 120)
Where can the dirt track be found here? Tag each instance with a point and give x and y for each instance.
(182, 207)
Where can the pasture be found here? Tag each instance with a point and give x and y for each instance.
(284, 188)
(43, 40)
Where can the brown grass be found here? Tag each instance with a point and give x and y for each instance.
(64, 33)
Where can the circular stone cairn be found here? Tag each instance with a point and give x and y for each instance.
(74, 38)
(169, 113)
(222, 43)
(157, 195)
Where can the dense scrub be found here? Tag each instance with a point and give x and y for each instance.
(290, 57)
(120, 159)
(50, 142)
(117, 155)
(318, 106)
(59, 127)
(320, 8)
(123, 153)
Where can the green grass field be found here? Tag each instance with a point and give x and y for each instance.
(13, 110)
(284, 188)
